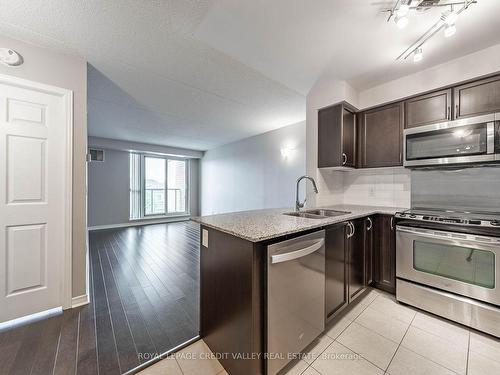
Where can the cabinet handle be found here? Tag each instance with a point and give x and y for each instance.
(371, 224)
(392, 222)
(448, 115)
(456, 110)
(344, 158)
(351, 229)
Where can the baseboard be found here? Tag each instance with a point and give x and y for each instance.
(80, 300)
(139, 222)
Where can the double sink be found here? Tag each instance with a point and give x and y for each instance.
(319, 213)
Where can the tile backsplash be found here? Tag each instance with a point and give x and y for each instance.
(466, 189)
(378, 187)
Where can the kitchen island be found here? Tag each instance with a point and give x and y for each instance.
(234, 272)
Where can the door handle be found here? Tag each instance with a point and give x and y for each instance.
(371, 224)
(298, 253)
(344, 158)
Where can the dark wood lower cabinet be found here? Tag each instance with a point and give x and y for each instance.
(385, 253)
(233, 284)
(336, 276)
(356, 258)
(232, 299)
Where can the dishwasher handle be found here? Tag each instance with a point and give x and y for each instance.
(279, 258)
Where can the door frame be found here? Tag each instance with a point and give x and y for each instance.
(67, 96)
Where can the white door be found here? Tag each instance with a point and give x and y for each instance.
(35, 129)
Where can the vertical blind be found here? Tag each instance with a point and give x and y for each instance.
(135, 186)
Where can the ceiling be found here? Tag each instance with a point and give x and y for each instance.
(201, 73)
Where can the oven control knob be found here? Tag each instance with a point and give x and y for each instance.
(495, 223)
(413, 216)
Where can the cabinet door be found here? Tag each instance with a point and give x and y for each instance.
(348, 138)
(382, 136)
(477, 98)
(369, 230)
(335, 254)
(385, 253)
(356, 258)
(330, 137)
(428, 109)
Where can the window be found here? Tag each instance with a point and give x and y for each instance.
(163, 186)
(155, 185)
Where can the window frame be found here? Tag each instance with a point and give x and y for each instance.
(187, 203)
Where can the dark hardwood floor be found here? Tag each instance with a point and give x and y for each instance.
(144, 290)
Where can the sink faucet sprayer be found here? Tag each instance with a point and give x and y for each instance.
(298, 204)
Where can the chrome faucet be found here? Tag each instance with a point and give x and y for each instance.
(298, 204)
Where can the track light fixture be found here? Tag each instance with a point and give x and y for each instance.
(418, 55)
(403, 10)
(402, 22)
(446, 22)
(450, 30)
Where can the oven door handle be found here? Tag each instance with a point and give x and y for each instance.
(436, 234)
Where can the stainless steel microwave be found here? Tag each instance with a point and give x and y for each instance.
(464, 141)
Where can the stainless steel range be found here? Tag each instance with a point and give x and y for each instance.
(447, 263)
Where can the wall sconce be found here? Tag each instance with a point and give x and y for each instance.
(287, 152)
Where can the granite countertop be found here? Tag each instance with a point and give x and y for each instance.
(261, 225)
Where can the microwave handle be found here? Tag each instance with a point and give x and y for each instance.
(490, 138)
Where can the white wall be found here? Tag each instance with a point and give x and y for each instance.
(381, 186)
(252, 173)
(389, 187)
(69, 72)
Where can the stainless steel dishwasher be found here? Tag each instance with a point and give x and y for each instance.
(295, 297)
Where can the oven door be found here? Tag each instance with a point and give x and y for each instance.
(456, 142)
(459, 263)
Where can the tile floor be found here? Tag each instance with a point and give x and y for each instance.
(375, 336)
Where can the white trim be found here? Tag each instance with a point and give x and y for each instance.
(10, 324)
(140, 223)
(80, 300)
(68, 256)
(67, 96)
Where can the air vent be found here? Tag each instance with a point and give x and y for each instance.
(95, 155)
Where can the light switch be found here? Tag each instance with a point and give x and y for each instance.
(204, 238)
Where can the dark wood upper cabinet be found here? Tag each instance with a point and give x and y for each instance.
(381, 136)
(337, 136)
(477, 98)
(356, 258)
(336, 276)
(385, 253)
(428, 109)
